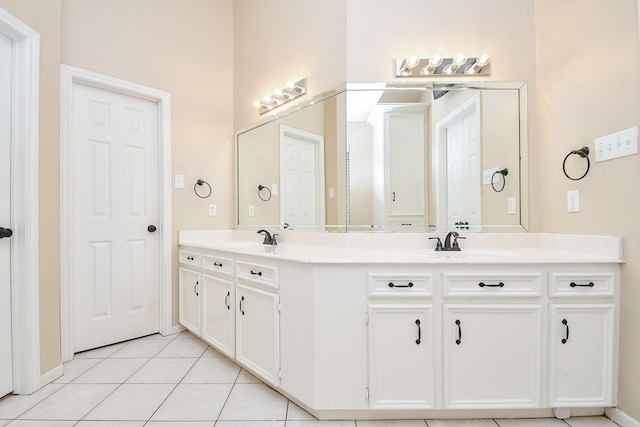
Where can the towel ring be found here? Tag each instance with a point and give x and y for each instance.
(260, 188)
(584, 153)
(503, 173)
(200, 183)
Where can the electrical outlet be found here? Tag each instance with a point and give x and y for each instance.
(619, 144)
(212, 210)
(274, 189)
(511, 206)
(573, 201)
(252, 210)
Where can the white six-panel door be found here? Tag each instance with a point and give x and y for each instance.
(6, 365)
(115, 198)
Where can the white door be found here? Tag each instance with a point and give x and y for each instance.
(463, 172)
(115, 207)
(301, 179)
(6, 365)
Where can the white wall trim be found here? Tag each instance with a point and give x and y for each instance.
(24, 204)
(69, 76)
(619, 417)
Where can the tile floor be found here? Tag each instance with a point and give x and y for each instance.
(179, 381)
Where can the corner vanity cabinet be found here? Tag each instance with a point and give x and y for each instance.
(376, 339)
(232, 305)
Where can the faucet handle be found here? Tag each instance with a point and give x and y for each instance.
(438, 243)
(273, 239)
(455, 241)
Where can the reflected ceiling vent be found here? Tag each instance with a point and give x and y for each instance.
(279, 97)
(459, 65)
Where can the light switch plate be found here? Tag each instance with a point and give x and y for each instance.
(252, 210)
(511, 206)
(179, 181)
(619, 144)
(213, 210)
(487, 174)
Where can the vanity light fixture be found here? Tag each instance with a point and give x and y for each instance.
(457, 62)
(280, 97)
(478, 65)
(438, 66)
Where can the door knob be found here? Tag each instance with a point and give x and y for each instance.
(151, 228)
(5, 232)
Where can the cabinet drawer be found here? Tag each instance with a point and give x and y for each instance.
(190, 258)
(258, 273)
(599, 284)
(400, 285)
(490, 285)
(217, 264)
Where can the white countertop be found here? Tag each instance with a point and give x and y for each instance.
(412, 248)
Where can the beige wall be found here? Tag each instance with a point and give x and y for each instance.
(186, 49)
(588, 62)
(44, 17)
(277, 41)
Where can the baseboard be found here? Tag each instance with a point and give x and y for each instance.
(52, 375)
(176, 329)
(619, 417)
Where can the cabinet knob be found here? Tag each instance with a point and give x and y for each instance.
(5, 232)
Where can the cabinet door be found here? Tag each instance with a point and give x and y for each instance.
(401, 356)
(190, 286)
(492, 356)
(405, 145)
(218, 314)
(582, 342)
(258, 331)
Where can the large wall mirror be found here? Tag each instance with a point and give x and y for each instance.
(389, 158)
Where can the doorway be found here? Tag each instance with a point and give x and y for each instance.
(115, 210)
(19, 257)
(302, 203)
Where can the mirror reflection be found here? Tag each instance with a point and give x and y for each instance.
(393, 158)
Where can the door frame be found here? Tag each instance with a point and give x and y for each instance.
(318, 141)
(25, 263)
(69, 77)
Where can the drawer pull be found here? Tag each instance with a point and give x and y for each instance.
(419, 332)
(240, 305)
(566, 338)
(256, 273)
(459, 340)
(226, 300)
(217, 264)
(489, 285)
(582, 285)
(190, 258)
(409, 285)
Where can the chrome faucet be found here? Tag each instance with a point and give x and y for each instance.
(448, 244)
(268, 238)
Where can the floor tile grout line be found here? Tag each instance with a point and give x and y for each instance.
(228, 396)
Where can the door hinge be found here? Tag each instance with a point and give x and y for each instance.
(280, 373)
(366, 393)
(279, 307)
(366, 318)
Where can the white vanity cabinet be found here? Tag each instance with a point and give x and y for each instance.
(258, 319)
(492, 356)
(492, 338)
(218, 323)
(190, 304)
(401, 342)
(582, 339)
